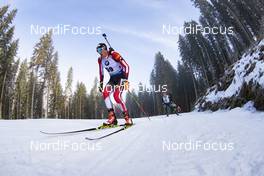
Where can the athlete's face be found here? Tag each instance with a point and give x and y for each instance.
(104, 53)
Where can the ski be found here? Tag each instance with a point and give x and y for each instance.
(83, 130)
(109, 134)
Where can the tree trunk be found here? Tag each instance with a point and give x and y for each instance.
(47, 101)
(32, 98)
(2, 95)
(27, 103)
(80, 108)
(194, 85)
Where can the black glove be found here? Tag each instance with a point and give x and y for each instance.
(101, 87)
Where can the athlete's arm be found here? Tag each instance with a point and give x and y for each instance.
(101, 70)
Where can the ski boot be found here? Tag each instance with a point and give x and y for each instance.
(128, 119)
(111, 122)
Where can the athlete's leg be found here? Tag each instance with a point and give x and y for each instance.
(111, 114)
(106, 94)
(118, 98)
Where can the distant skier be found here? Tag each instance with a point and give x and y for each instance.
(169, 105)
(174, 108)
(178, 109)
(166, 101)
(118, 70)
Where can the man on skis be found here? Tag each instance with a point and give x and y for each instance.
(169, 105)
(166, 101)
(118, 70)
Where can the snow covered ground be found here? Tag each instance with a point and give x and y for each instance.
(197, 143)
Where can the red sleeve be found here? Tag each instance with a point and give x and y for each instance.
(115, 55)
(119, 59)
(101, 71)
(126, 67)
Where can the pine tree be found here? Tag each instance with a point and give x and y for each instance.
(163, 74)
(8, 49)
(68, 94)
(21, 103)
(80, 101)
(95, 102)
(56, 99)
(261, 31)
(41, 64)
(186, 55)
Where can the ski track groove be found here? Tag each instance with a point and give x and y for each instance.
(114, 154)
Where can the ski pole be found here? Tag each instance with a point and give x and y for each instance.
(139, 105)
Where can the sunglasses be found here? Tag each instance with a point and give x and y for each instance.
(100, 50)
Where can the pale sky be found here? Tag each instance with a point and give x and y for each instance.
(134, 28)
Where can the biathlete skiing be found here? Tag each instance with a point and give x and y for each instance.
(118, 70)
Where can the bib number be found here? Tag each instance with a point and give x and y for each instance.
(109, 69)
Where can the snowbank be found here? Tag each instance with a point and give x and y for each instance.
(242, 83)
